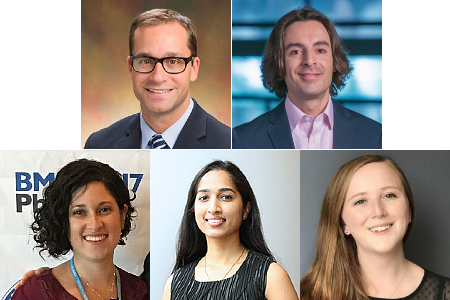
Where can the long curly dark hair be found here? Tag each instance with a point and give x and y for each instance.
(51, 220)
(192, 241)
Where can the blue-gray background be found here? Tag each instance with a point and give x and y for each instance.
(358, 24)
(428, 173)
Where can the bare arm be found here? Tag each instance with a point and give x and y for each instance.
(30, 274)
(279, 285)
(166, 295)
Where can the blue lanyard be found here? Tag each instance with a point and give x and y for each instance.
(80, 286)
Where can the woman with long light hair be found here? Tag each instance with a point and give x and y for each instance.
(367, 214)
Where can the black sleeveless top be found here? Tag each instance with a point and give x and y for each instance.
(248, 283)
(432, 287)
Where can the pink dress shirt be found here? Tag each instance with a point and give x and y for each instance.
(308, 132)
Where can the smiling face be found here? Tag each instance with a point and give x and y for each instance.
(161, 93)
(219, 210)
(308, 61)
(95, 223)
(376, 211)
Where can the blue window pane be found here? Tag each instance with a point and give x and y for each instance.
(360, 32)
(349, 10)
(365, 79)
(248, 33)
(262, 11)
(246, 77)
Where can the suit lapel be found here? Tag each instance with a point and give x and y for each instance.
(343, 131)
(132, 139)
(280, 133)
(193, 130)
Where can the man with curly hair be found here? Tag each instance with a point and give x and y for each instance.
(304, 62)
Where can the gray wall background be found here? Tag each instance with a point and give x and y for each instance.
(275, 179)
(428, 173)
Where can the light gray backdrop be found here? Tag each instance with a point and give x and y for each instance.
(428, 173)
(275, 179)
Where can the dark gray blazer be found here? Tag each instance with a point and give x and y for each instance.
(201, 131)
(271, 131)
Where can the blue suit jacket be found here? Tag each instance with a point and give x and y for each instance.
(271, 131)
(201, 131)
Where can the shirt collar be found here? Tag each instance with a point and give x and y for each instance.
(295, 114)
(171, 133)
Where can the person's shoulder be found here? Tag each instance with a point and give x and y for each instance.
(262, 121)
(217, 128)
(128, 276)
(108, 137)
(134, 287)
(434, 276)
(252, 255)
(279, 283)
(120, 125)
(206, 129)
(357, 117)
(167, 288)
(211, 120)
(32, 287)
(267, 131)
(277, 271)
(436, 282)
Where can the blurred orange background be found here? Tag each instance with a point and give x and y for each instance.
(106, 90)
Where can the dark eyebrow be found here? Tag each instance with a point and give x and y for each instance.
(220, 190)
(167, 54)
(78, 205)
(142, 54)
(84, 205)
(319, 43)
(292, 45)
(226, 190)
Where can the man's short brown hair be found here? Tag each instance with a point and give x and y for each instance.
(272, 67)
(163, 16)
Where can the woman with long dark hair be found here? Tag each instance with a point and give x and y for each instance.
(367, 214)
(221, 252)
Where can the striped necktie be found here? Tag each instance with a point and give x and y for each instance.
(157, 142)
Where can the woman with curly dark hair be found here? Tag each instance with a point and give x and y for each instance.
(221, 249)
(87, 210)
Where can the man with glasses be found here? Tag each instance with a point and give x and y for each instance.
(162, 63)
(304, 63)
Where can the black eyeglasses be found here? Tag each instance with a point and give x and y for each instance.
(172, 65)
